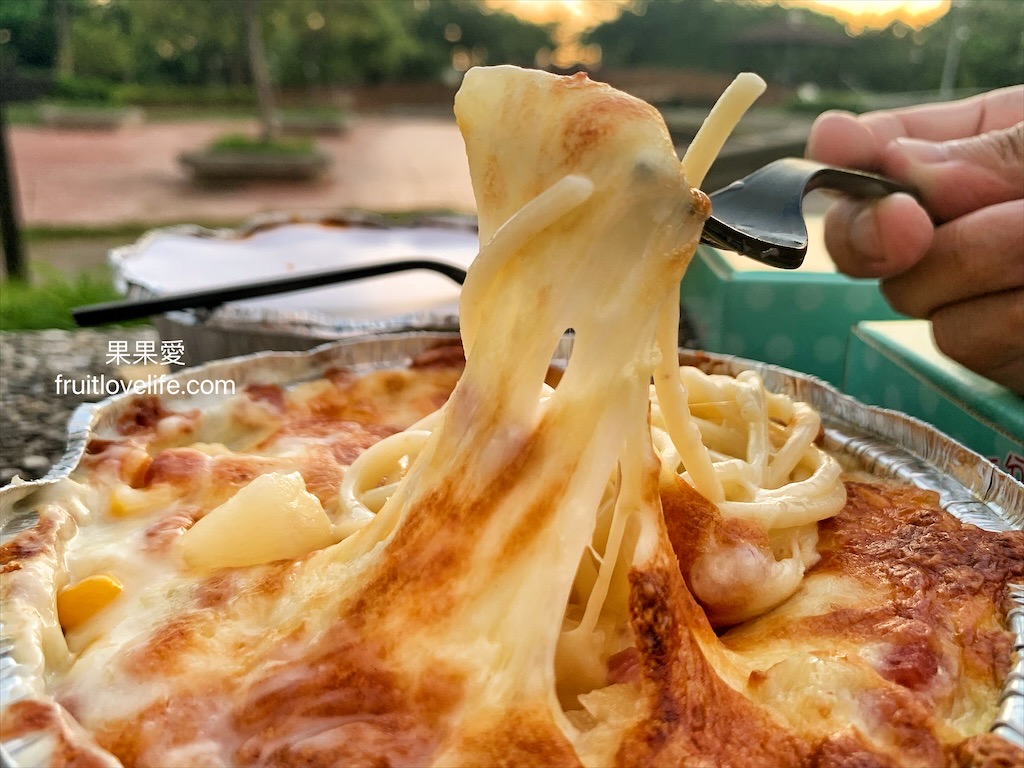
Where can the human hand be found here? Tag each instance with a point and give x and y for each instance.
(956, 258)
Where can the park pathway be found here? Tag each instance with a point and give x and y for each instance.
(89, 178)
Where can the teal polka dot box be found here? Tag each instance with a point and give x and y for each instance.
(799, 319)
(895, 364)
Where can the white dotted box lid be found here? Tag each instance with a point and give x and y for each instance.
(168, 262)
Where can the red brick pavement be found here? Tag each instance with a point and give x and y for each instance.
(98, 178)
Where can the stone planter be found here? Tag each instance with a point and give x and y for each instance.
(241, 166)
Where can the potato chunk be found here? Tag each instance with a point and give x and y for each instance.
(272, 518)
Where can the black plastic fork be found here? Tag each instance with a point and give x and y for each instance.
(761, 215)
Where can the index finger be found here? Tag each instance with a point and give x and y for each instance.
(950, 120)
(857, 141)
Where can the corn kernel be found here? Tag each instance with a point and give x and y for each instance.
(126, 501)
(80, 602)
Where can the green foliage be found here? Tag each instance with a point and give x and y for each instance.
(338, 42)
(152, 48)
(21, 114)
(234, 143)
(993, 52)
(84, 90)
(450, 27)
(189, 42)
(157, 43)
(33, 35)
(47, 300)
(679, 33)
(332, 42)
(101, 49)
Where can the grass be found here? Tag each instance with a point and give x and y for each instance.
(240, 143)
(47, 299)
(21, 113)
(127, 232)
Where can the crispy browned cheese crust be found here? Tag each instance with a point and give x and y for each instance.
(941, 621)
(939, 625)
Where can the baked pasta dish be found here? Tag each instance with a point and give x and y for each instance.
(481, 559)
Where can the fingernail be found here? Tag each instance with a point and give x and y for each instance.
(864, 233)
(922, 151)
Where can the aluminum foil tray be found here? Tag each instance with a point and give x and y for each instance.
(188, 258)
(883, 442)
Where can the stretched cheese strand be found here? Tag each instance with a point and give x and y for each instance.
(719, 125)
(752, 469)
(509, 483)
(672, 397)
(373, 477)
(548, 207)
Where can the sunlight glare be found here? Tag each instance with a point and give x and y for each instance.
(859, 15)
(574, 17)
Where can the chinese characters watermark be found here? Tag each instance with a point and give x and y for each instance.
(145, 352)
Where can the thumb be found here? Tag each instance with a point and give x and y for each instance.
(960, 176)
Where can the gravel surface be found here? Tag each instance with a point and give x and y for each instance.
(33, 415)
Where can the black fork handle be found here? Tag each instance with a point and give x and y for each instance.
(861, 184)
(119, 311)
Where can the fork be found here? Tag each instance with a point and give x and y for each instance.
(761, 215)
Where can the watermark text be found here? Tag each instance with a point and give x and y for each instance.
(145, 352)
(105, 386)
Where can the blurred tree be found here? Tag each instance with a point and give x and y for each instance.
(258, 69)
(992, 53)
(718, 35)
(326, 43)
(32, 42)
(340, 42)
(695, 34)
(348, 42)
(188, 42)
(463, 33)
(64, 16)
(100, 46)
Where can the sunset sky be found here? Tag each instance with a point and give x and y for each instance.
(577, 16)
(865, 14)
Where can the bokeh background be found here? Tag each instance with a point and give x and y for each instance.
(110, 107)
